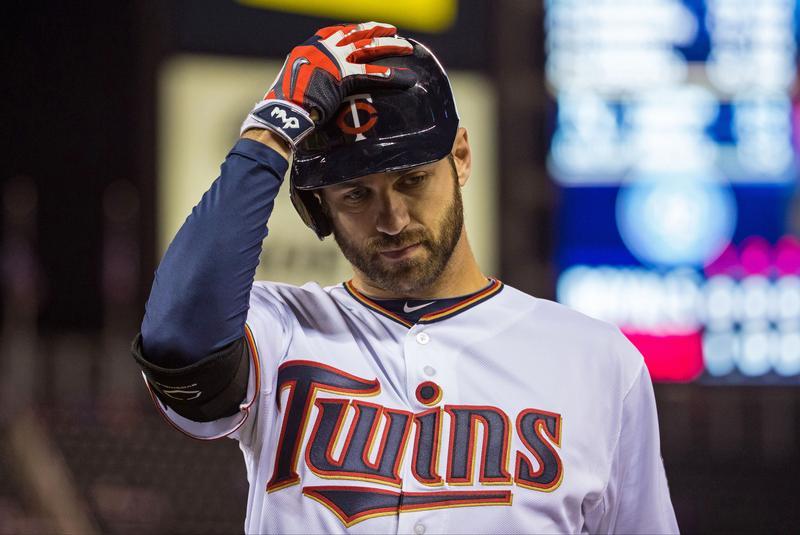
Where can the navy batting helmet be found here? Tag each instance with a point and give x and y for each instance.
(376, 132)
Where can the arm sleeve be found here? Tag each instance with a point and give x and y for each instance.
(636, 499)
(205, 391)
(199, 300)
(212, 409)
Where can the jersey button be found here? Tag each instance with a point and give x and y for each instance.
(419, 529)
(429, 371)
(423, 338)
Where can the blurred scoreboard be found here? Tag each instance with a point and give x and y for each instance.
(674, 137)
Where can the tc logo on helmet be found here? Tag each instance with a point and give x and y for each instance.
(357, 116)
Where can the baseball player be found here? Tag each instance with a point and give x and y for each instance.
(421, 396)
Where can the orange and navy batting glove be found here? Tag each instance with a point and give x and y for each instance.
(320, 73)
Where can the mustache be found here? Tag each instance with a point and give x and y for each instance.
(398, 241)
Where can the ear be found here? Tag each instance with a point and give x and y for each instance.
(320, 195)
(462, 156)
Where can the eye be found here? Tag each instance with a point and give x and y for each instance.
(355, 195)
(410, 181)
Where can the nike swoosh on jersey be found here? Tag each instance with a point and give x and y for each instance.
(407, 309)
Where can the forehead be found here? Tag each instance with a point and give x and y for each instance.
(384, 176)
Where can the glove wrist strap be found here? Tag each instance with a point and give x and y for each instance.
(289, 121)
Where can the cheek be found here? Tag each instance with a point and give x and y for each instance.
(353, 226)
(431, 211)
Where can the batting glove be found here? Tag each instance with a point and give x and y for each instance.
(321, 72)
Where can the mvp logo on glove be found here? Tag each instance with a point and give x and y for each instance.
(288, 122)
(282, 117)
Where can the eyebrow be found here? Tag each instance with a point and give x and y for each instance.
(342, 185)
(353, 182)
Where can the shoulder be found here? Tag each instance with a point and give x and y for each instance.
(546, 312)
(571, 334)
(270, 291)
(309, 304)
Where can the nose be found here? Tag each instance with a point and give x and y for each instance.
(392, 213)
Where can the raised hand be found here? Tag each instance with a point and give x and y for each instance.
(318, 74)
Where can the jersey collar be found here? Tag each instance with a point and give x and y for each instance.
(494, 288)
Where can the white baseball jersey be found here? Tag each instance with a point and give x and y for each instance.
(502, 414)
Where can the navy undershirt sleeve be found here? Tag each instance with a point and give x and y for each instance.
(200, 295)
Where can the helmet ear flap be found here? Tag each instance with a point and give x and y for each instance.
(310, 209)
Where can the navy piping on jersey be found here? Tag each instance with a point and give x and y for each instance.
(494, 287)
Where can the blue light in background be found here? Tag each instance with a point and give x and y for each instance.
(674, 220)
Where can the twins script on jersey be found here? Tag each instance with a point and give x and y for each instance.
(503, 413)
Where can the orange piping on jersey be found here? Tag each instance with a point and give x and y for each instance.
(275, 484)
(373, 433)
(490, 290)
(506, 477)
(369, 303)
(475, 420)
(436, 480)
(494, 287)
(478, 498)
(395, 480)
(471, 447)
(433, 401)
(331, 448)
(251, 341)
(254, 358)
(541, 431)
(314, 494)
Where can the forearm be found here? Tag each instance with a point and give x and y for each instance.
(199, 299)
(265, 137)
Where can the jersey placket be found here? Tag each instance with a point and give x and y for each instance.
(426, 365)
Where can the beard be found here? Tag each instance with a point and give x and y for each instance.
(409, 275)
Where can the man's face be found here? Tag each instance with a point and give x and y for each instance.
(398, 229)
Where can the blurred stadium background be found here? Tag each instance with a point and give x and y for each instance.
(636, 160)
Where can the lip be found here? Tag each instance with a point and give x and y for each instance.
(399, 254)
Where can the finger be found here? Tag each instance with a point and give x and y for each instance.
(378, 71)
(327, 31)
(372, 24)
(367, 30)
(379, 77)
(380, 47)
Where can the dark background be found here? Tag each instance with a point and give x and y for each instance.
(79, 248)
